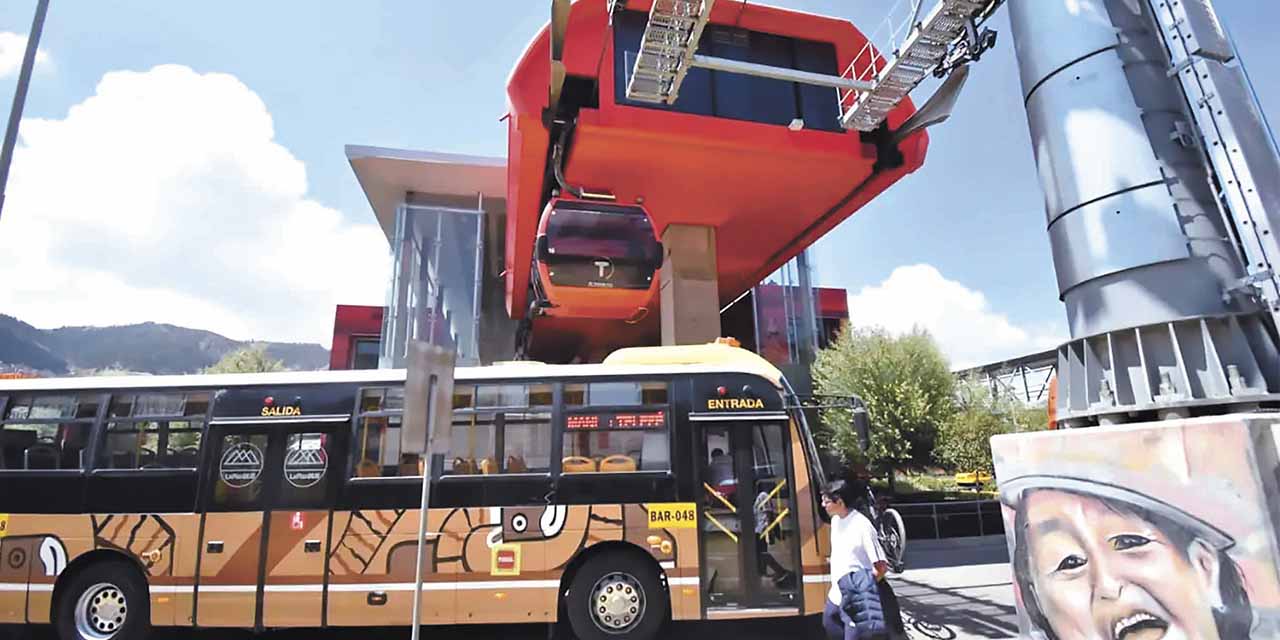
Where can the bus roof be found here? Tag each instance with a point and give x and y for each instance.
(638, 361)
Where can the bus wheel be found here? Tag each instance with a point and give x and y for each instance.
(616, 595)
(105, 601)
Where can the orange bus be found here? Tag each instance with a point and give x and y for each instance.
(665, 484)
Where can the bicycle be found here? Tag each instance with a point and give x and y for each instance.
(890, 529)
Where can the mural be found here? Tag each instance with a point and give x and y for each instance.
(1158, 530)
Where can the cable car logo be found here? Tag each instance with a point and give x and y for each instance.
(604, 268)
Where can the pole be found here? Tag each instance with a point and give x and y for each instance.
(422, 521)
(20, 95)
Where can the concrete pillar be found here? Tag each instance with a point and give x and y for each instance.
(690, 290)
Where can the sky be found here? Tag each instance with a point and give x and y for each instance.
(183, 162)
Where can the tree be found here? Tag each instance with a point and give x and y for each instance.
(250, 359)
(906, 386)
(964, 443)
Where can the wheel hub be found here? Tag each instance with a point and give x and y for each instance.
(617, 603)
(101, 612)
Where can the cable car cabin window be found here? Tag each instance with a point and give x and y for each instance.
(47, 432)
(616, 394)
(500, 429)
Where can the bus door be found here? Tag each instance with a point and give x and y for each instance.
(266, 528)
(747, 521)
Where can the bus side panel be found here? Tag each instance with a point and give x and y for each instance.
(229, 571)
(676, 550)
(505, 572)
(53, 541)
(294, 591)
(371, 571)
(182, 555)
(16, 553)
(815, 536)
(163, 545)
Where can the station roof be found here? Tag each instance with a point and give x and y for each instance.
(386, 175)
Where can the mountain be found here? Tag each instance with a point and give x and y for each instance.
(144, 348)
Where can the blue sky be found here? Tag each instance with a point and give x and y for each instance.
(962, 238)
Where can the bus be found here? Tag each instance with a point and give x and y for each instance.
(666, 483)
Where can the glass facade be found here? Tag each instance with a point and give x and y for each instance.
(786, 318)
(435, 284)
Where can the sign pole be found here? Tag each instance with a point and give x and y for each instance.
(20, 95)
(425, 429)
(422, 527)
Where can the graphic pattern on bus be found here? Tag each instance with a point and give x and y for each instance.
(146, 537)
(466, 537)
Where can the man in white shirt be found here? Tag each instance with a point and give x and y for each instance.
(854, 546)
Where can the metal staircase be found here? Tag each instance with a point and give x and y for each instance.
(872, 85)
(927, 45)
(667, 48)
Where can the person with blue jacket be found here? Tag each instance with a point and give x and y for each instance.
(853, 609)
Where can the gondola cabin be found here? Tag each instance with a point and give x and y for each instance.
(597, 260)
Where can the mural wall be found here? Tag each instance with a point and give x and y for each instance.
(1158, 530)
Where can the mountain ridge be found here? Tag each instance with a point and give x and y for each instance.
(148, 347)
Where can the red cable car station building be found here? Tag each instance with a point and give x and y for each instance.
(616, 222)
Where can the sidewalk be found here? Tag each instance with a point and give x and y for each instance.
(957, 589)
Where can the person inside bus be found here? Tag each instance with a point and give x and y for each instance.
(721, 468)
(769, 532)
(853, 609)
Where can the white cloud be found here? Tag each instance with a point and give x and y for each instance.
(968, 331)
(13, 47)
(164, 197)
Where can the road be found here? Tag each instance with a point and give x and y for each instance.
(954, 590)
(958, 589)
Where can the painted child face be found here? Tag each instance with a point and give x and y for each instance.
(1099, 573)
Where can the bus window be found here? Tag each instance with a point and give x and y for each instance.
(154, 431)
(500, 429)
(526, 442)
(376, 449)
(47, 432)
(620, 394)
(612, 442)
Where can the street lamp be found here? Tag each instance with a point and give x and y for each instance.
(20, 95)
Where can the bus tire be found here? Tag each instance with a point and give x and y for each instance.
(615, 596)
(107, 600)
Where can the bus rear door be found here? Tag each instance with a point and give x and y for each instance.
(266, 528)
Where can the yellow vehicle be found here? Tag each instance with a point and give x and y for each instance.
(974, 479)
(666, 483)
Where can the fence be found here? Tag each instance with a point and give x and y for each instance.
(935, 520)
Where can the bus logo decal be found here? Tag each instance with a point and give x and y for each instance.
(241, 465)
(305, 467)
